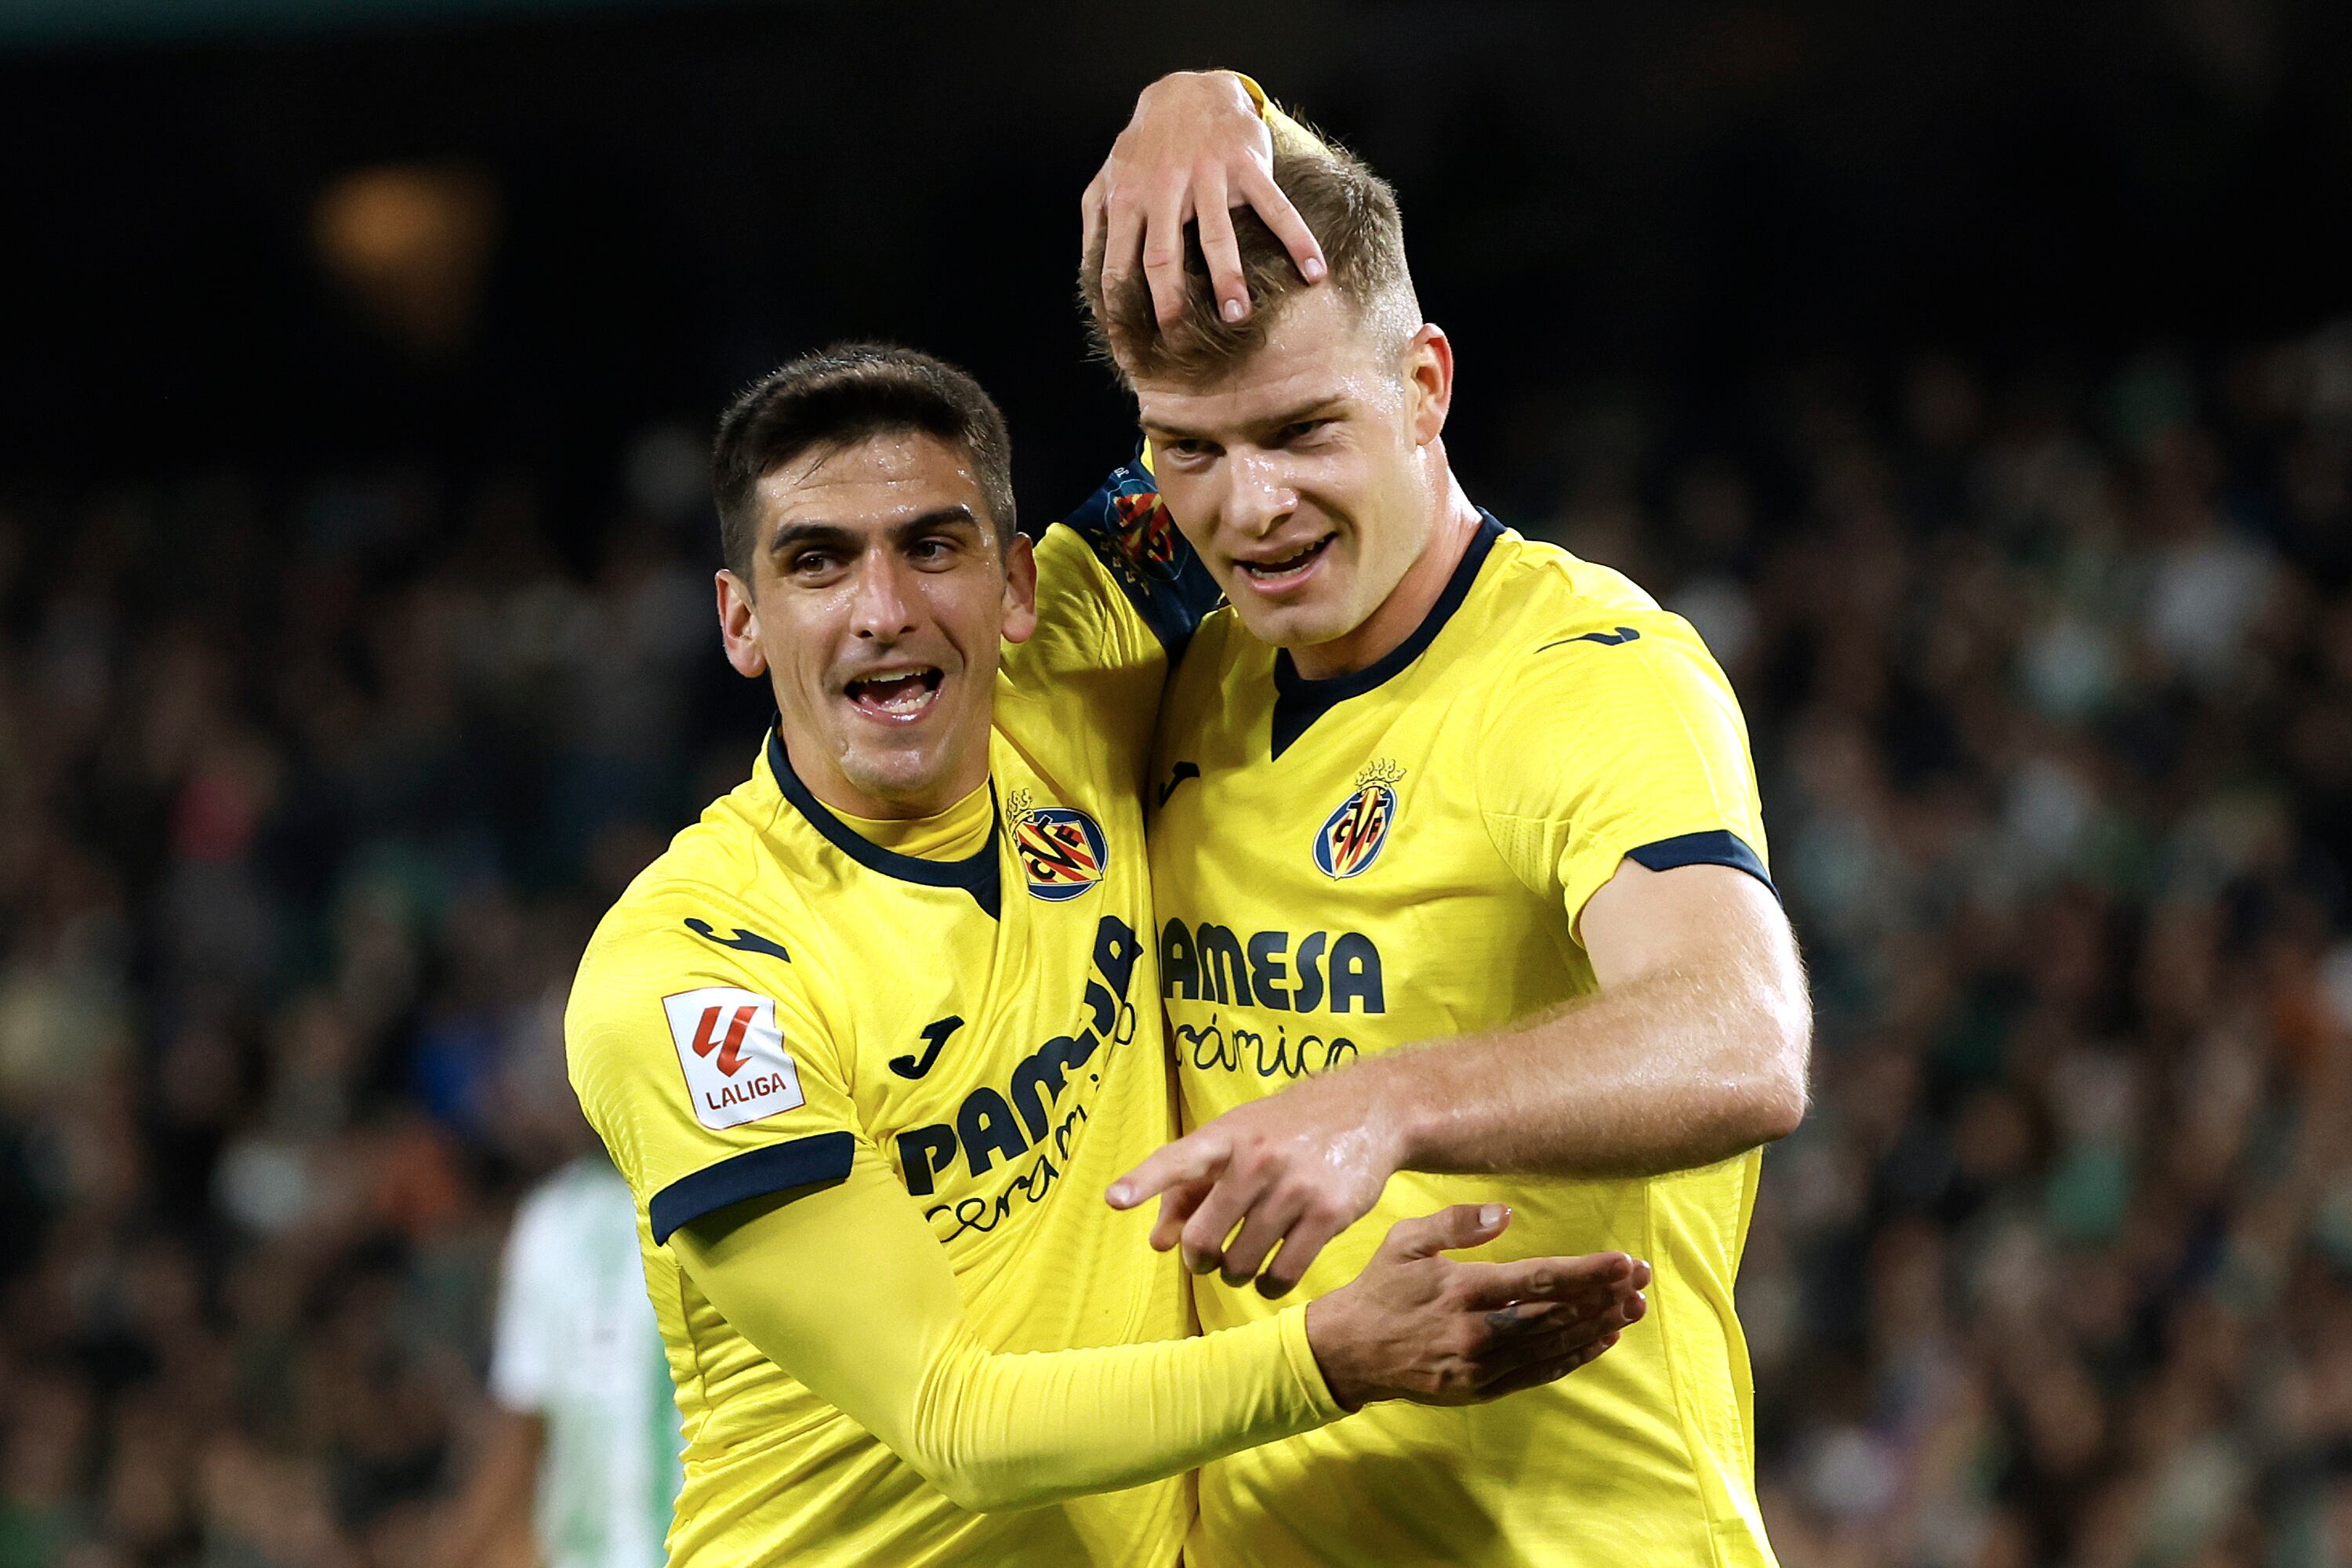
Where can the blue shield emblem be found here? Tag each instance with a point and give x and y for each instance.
(1352, 837)
(1063, 852)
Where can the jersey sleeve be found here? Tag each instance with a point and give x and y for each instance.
(1613, 742)
(1126, 523)
(991, 1429)
(1118, 595)
(710, 1082)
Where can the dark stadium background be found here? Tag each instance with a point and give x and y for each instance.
(1978, 377)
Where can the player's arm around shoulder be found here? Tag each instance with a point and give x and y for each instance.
(1119, 590)
(1117, 583)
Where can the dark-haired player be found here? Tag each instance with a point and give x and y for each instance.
(870, 1038)
(1463, 899)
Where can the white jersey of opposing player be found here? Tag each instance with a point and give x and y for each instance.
(577, 1346)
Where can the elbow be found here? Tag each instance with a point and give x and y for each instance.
(1770, 1097)
(1775, 1110)
(984, 1488)
(976, 1473)
(1778, 1097)
(950, 1439)
(968, 1490)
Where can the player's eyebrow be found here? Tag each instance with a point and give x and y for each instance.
(1314, 408)
(842, 537)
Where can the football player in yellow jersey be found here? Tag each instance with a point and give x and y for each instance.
(868, 1039)
(1462, 898)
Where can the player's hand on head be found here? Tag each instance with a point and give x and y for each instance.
(1420, 1326)
(1196, 148)
(1259, 1192)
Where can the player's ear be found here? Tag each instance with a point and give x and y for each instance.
(1020, 590)
(738, 625)
(1429, 381)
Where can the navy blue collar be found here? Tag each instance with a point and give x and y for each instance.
(1298, 701)
(976, 876)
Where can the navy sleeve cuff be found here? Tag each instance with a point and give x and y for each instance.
(1718, 847)
(1129, 531)
(821, 1157)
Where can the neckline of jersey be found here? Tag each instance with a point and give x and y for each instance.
(1298, 701)
(976, 874)
(954, 833)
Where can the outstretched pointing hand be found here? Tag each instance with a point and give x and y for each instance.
(1292, 1169)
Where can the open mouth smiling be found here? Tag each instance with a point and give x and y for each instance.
(1279, 573)
(898, 697)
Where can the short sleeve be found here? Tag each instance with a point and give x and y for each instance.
(1118, 596)
(1620, 741)
(1126, 524)
(709, 1085)
(520, 1356)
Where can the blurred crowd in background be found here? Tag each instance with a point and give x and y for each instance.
(312, 786)
(356, 648)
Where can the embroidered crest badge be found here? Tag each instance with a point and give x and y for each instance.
(1062, 849)
(1352, 838)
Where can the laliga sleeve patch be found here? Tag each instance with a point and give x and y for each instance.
(734, 1054)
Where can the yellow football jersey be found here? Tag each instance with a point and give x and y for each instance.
(1347, 866)
(777, 990)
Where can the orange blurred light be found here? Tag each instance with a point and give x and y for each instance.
(410, 242)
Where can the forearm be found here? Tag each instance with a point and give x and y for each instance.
(1670, 1071)
(1014, 1431)
(992, 1430)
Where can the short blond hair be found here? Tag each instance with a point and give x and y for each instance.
(1352, 213)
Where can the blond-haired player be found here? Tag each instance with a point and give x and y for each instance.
(1462, 895)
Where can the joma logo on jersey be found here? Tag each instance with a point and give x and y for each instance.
(733, 1055)
(1063, 851)
(1352, 838)
(996, 1124)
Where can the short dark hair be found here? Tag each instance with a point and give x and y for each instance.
(1353, 215)
(835, 398)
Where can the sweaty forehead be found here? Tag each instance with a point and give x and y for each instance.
(1316, 352)
(879, 481)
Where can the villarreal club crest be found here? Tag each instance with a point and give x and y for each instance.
(1353, 837)
(1063, 852)
(1146, 532)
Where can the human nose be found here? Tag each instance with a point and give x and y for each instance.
(880, 608)
(1258, 493)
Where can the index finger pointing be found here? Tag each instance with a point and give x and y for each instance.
(1193, 1158)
